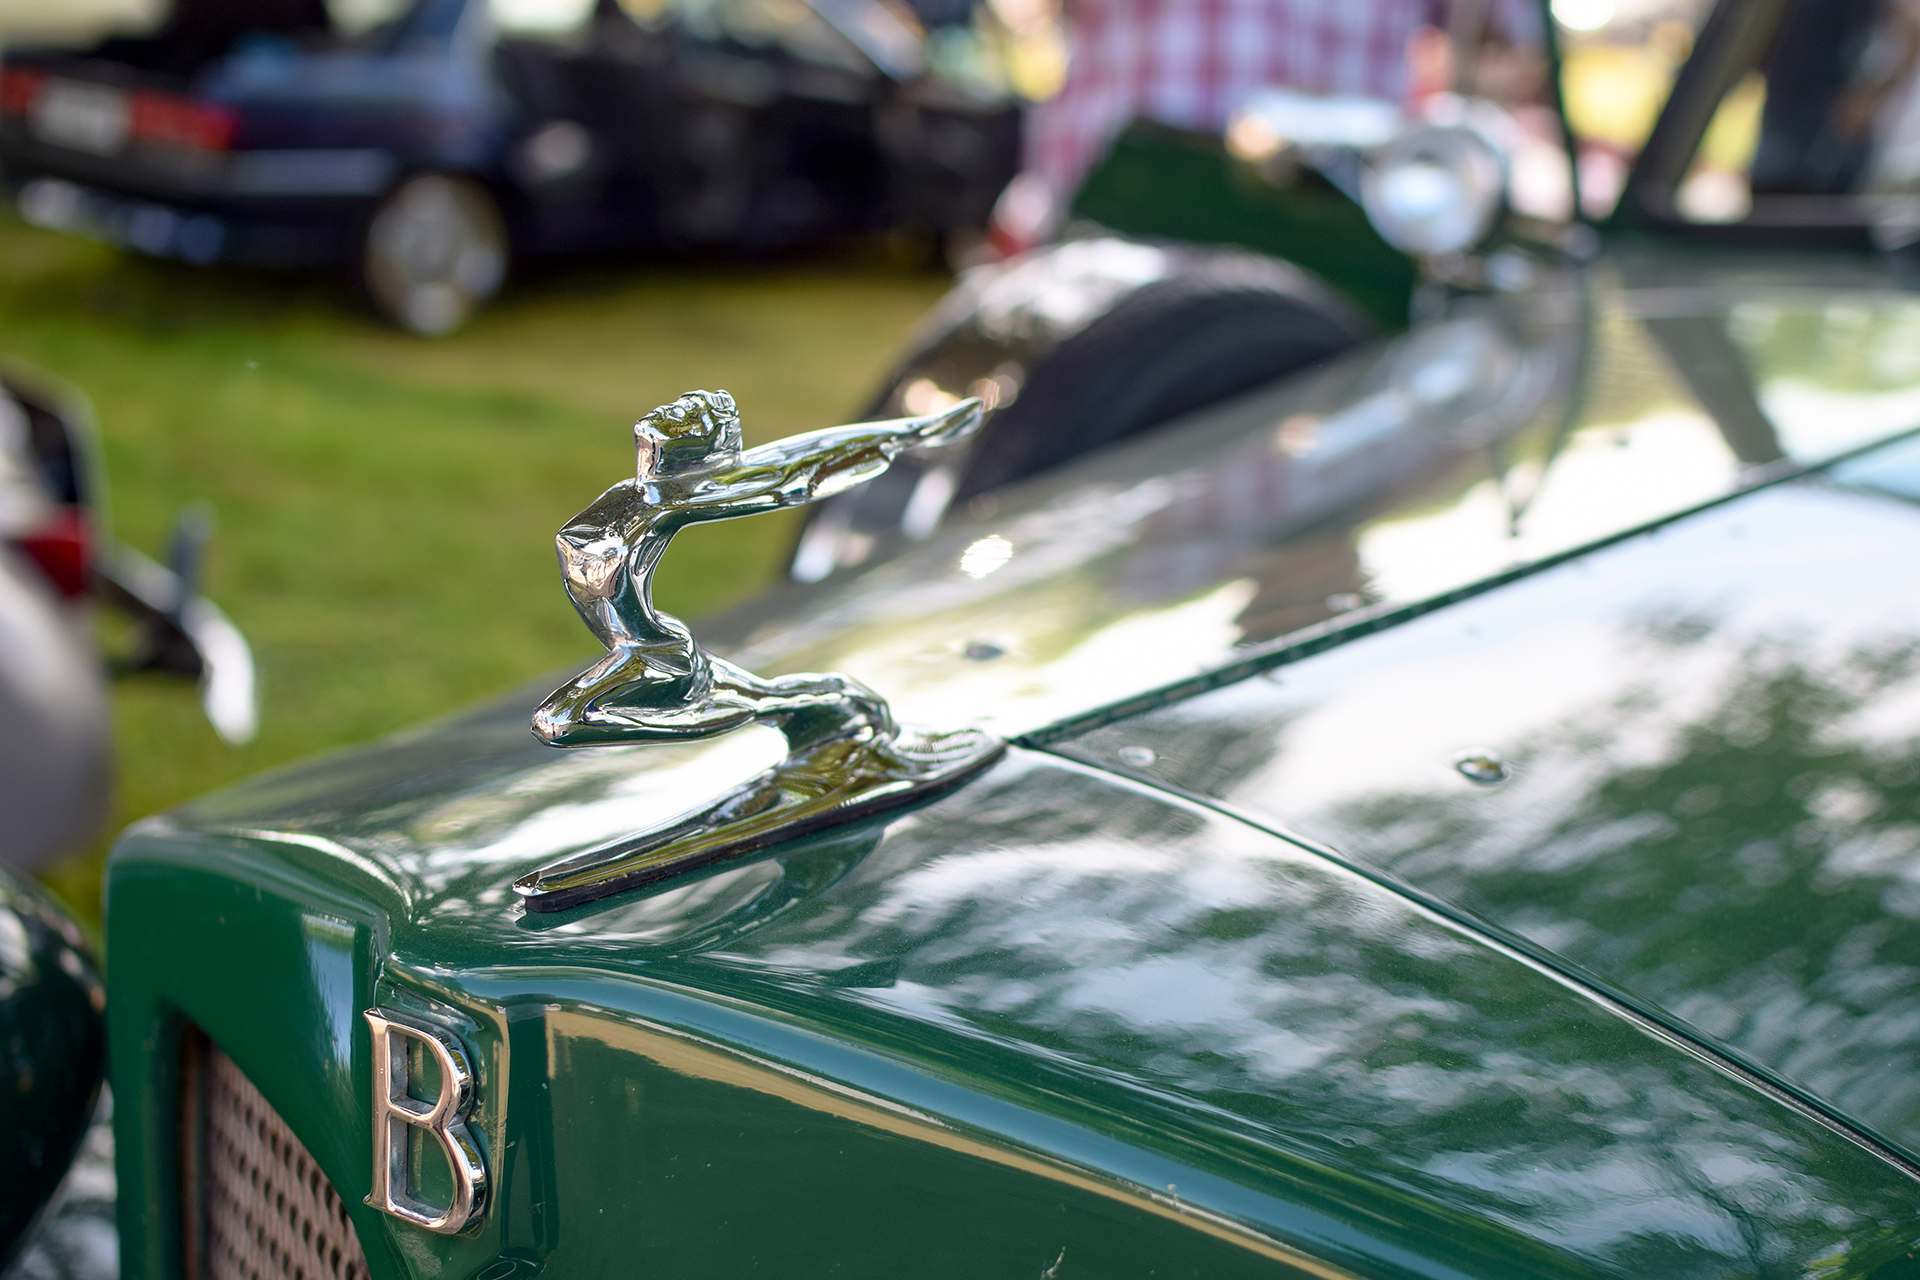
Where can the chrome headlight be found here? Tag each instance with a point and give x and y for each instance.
(1435, 190)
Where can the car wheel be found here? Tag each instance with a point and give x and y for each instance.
(436, 250)
(1231, 323)
(1215, 323)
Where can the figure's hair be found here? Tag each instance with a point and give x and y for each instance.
(698, 413)
(696, 426)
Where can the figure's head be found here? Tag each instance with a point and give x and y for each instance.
(699, 428)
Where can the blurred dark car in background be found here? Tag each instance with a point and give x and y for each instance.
(57, 562)
(430, 148)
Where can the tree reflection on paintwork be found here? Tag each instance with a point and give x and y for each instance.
(1714, 800)
(1180, 968)
(1766, 825)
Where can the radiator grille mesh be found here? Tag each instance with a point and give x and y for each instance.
(264, 1209)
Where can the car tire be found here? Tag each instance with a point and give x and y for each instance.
(436, 250)
(1219, 322)
(1231, 322)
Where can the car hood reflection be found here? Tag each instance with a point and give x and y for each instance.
(1711, 799)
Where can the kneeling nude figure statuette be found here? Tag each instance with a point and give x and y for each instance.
(845, 755)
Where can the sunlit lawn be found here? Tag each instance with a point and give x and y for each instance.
(387, 504)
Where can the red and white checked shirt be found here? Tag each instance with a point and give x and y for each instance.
(1188, 63)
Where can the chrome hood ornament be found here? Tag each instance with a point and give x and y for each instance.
(845, 755)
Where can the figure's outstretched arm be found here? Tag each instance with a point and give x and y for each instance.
(806, 468)
(820, 463)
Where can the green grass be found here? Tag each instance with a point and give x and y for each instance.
(386, 504)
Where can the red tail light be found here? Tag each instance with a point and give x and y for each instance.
(18, 88)
(63, 548)
(182, 122)
(153, 117)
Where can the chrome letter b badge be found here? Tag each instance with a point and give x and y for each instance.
(441, 1123)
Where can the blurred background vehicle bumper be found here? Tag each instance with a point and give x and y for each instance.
(269, 208)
